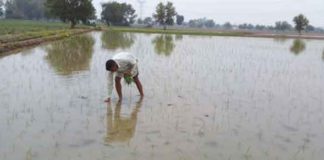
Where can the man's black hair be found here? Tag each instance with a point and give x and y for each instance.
(109, 64)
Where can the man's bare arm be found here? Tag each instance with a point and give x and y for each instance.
(118, 87)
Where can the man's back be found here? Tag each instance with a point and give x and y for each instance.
(125, 61)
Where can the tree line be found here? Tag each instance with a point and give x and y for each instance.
(23, 9)
(123, 14)
(278, 26)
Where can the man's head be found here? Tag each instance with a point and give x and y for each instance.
(111, 66)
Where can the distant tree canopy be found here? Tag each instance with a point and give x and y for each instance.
(202, 22)
(114, 13)
(260, 27)
(148, 21)
(210, 23)
(139, 21)
(25, 9)
(310, 28)
(301, 22)
(164, 14)
(246, 26)
(282, 26)
(71, 11)
(180, 19)
(227, 25)
(160, 15)
(1, 9)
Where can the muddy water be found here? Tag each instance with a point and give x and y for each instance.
(206, 98)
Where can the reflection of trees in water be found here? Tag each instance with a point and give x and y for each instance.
(69, 55)
(298, 46)
(179, 37)
(117, 40)
(281, 40)
(163, 44)
(121, 129)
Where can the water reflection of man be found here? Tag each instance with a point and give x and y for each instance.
(121, 129)
(124, 65)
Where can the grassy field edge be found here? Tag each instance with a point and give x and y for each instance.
(7, 45)
(214, 33)
(176, 31)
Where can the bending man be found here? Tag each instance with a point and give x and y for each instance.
(122, 65)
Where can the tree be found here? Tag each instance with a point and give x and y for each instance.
(114, 13)
(243, 26)
(11, 9)
(170, 13)
(246, 26)
(160, 14)
(165, 14)
(180, 19)
(300, 23)
(282, 26)
(260, 27)
(139, 21)
(270, 27)
(310, 28)
(319, 29)
(1, 10)
(202, 22)
(195, 23)
(71, 11)
(209, 23)
(148, 21)
(25, 9)
(227, 25)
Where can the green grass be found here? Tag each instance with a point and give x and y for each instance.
(178, 31)
(21, 26)
(16, 34)
(28, 35)
(10, 26)
(203, 32)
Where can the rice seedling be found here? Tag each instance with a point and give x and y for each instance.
(128, 80)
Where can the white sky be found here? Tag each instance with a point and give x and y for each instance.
(237, 11)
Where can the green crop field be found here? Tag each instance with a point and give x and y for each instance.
(21, 26)
(21, 33)
(178, 31)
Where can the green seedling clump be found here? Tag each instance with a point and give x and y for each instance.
(128, 79)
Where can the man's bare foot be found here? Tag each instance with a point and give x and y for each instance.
(120, 99)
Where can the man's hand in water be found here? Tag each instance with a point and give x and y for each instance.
(107, 100)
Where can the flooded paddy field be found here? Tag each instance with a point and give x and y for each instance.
(205, 98)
